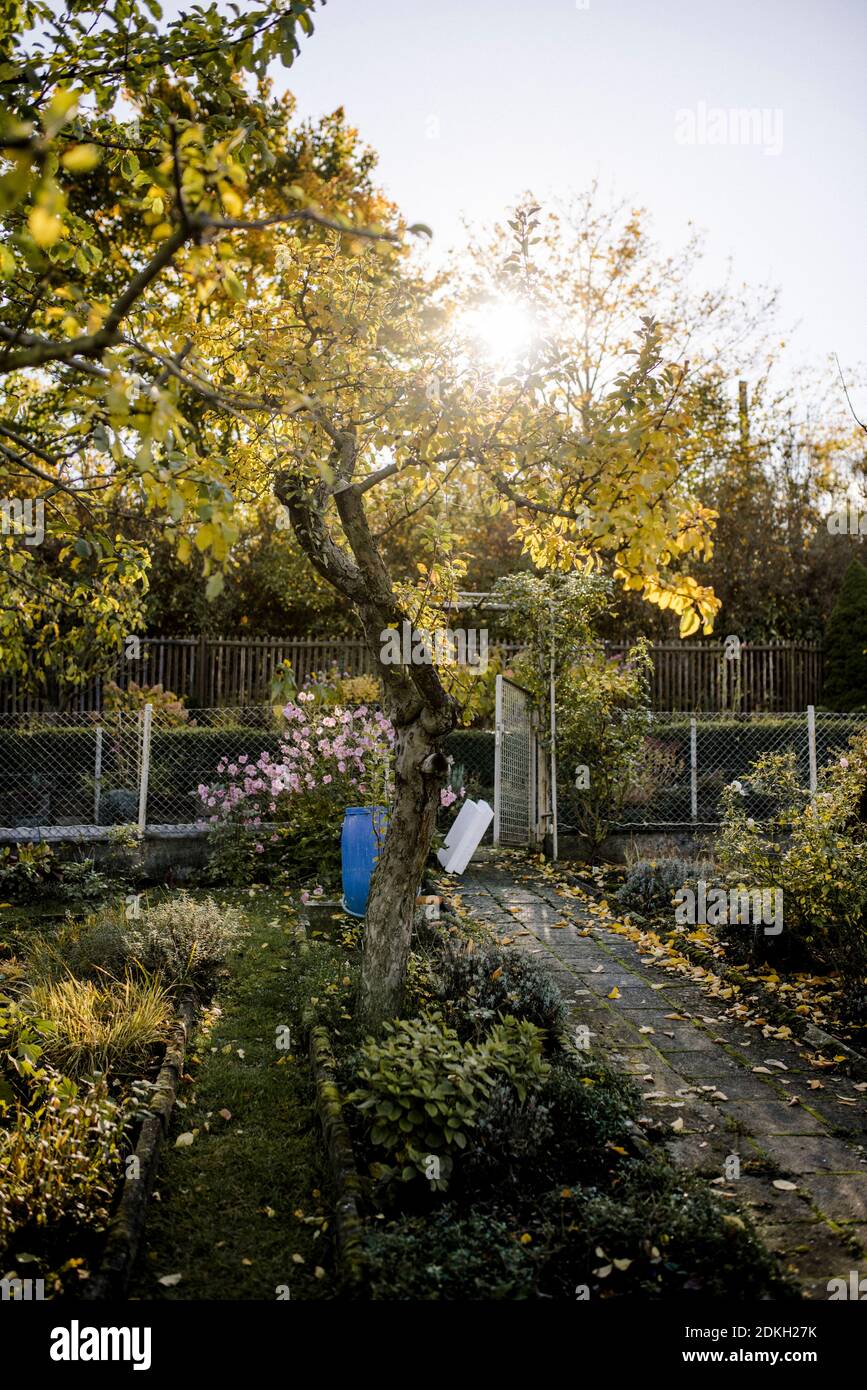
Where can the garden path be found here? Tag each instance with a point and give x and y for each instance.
(238, 1212)
(717, 1085)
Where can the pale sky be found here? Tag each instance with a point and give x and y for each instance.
(471, 102)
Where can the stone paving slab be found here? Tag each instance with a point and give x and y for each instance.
(760, 1118)
(819, 1144)
(798, 1153)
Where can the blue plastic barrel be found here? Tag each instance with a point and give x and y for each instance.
(361, 843)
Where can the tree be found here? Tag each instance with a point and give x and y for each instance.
(369, 407)
(268, 588)
(165, 369)
(765, 468)
(845, 686)
(135, 158)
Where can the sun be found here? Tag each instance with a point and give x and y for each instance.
(501, 332)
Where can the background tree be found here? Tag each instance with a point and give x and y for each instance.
(767, 467)
(845, 686)
(135, 156)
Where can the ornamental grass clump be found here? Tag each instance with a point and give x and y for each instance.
(85, 1028)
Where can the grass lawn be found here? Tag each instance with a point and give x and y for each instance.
(239, 1212)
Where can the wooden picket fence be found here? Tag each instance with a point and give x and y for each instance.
(210, 672)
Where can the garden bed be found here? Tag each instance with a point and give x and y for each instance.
(88, 1005)
(496, 1161)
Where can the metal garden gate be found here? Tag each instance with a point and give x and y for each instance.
(514, 766)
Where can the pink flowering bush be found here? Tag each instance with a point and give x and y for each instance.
(288, 807)
(452, 797)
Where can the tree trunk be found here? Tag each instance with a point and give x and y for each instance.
(419, 771)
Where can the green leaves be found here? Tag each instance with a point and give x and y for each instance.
(424, 1090)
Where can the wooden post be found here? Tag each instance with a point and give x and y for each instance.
(201, 672)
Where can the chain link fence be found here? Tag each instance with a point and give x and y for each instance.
(688, 760)
(74, 774)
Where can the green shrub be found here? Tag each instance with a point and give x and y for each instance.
(845, 684)
(60, 1142)
(304, 847)
(590, 1106)
(448, 1256)
(568, 1126)
(668, 1234)
(57, 1156)
(35, 871)
(184, 940)
(121, 702)
(477, 985)
(651, 884)
(422, 1088)
(119, 806)
(510, 1140)
(814, 851)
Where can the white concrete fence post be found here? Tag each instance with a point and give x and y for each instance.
(693, 767)
(144, 766)
(811, 744)
(97, 776)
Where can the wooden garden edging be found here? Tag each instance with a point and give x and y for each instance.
(341, 1159)
(126, 1225)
